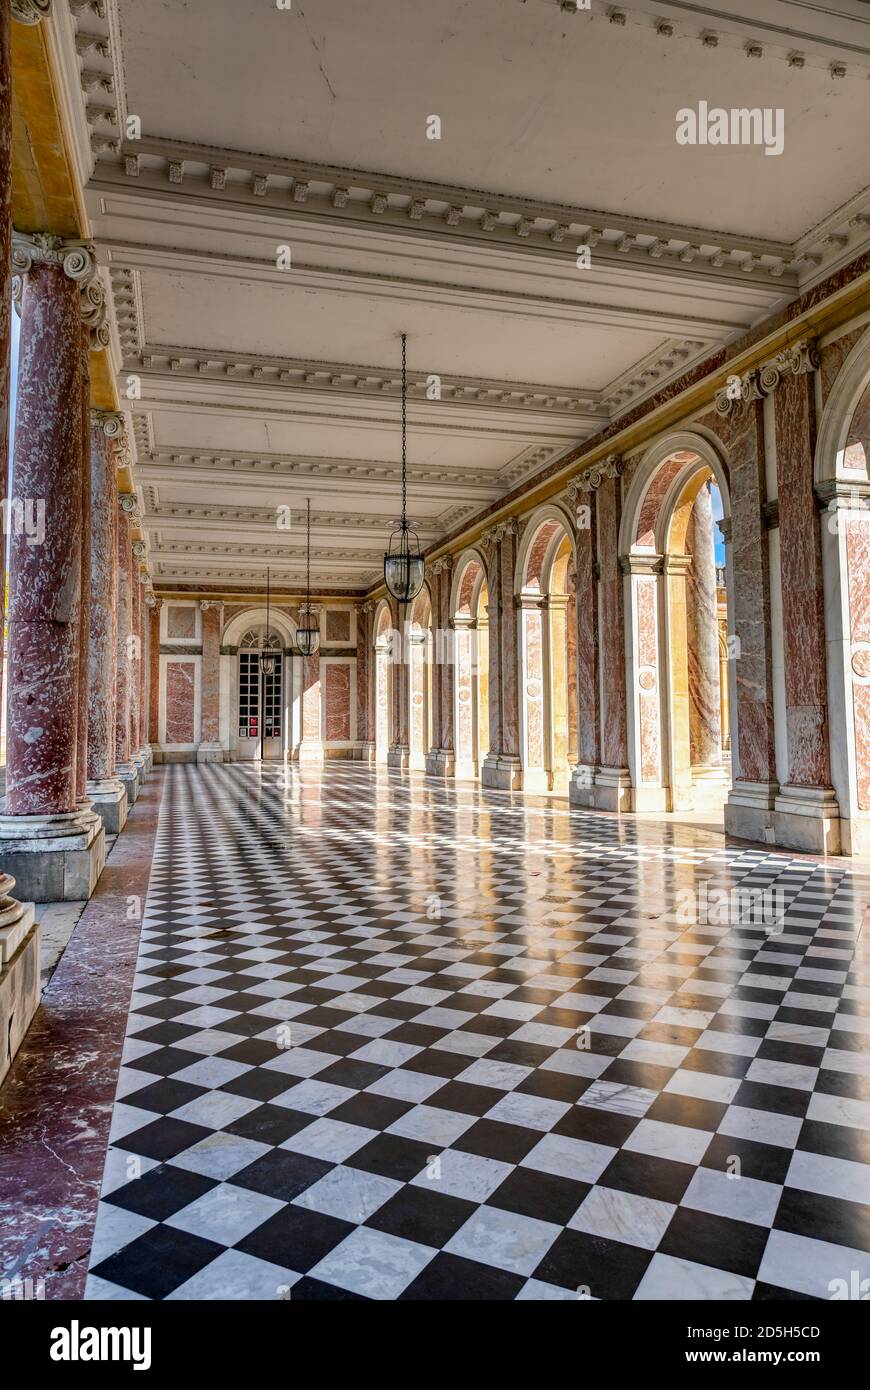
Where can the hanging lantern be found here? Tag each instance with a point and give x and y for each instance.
(308, 631)
(404, 567)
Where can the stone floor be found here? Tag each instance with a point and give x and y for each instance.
(398, 1039)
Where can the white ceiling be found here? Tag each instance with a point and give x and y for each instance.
(260, 128)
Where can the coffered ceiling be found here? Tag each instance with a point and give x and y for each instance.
(219, 139)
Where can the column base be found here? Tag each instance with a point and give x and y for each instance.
(310, 754)
(210, 753)
(398, 756)
(502, 772)
(109, 799)
(807, 818)
(440, 762)
(612, 789)
(138, 761)
(749, 811)
(148, 754)
(581, 788)
(366, 753)
(19, 972)
(128, 777)
(53, 858)
(855, 836)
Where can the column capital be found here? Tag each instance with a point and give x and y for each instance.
(206, 603)
(111, 422)
(591, 480)
(128, 505)
(509, 527)
(445, 562)
(30, 11)
(798, 359)
(140, 549)
(724, 524)
(641, 564)
(77, 259)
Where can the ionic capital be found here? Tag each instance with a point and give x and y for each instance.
(140, 550)
(111, 422)
(590, 481)
(206, 603)
(30, 11)
(128, 505)
(77, 259)
(799, 359)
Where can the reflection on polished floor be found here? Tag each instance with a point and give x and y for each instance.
(391, 1038)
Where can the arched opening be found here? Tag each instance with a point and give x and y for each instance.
(677, 606)
(419, 659)
(471, 666)
(262, 730)
(384, 637)
(547, 653)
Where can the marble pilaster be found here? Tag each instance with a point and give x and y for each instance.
(441, 760)
(364, 642)
(210, 750)
(502, 766)
(806, 815)
(612, 780)
(154, 608)
(585, 620)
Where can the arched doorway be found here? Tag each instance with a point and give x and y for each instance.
(262, 727)
(384, 638)
(677, 605)
(547, 652)
(468, 608)
(419, 658)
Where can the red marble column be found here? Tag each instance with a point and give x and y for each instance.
(135, 656)
(154, 672)
(702, 631)
(103, 631)
(363, 702)
(142, 667)
(502, 766)
(85, 572)
(586, 613)
(210, 682)
(614, 740)
(802, 591)
(45, 579)
(123, 749)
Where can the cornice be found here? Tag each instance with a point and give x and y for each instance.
(303, 189)
(343, 378)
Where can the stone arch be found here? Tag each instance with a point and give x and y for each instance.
(678, 757)
(847, 406)
(538, 544)
(279, 621)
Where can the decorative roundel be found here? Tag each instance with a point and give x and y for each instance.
(861, 663)
(533, 689)
(646, 679)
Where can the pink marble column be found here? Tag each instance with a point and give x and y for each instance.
(5, 271)
(85, 573)
(502, 766)
(124, 666)
(142, 668)
(135, 649)
(802, 591)
(586, 613)
(210, 683)
(311, 747)
(364, 732)
(103, 631)
(705, 715)
(154, 672)
(614, 735)
(45, 578)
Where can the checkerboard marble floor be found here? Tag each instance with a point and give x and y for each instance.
(396, 1039)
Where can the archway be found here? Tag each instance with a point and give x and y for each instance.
(677, 605)
(547, 651)
(419, 658)
(468, 609)
(259, 709)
